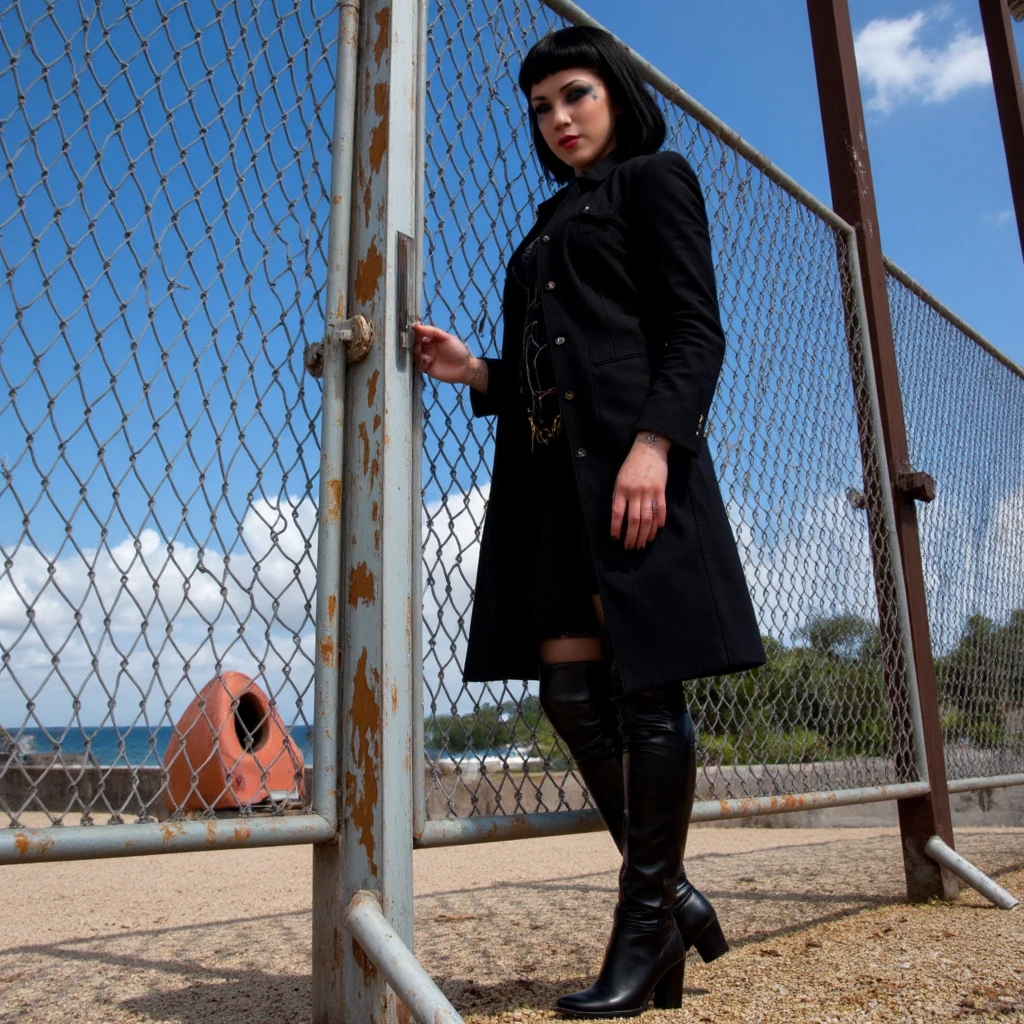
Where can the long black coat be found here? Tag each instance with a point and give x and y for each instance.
(629, 301)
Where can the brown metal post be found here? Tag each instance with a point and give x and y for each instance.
(853, 199)
(1002, 55)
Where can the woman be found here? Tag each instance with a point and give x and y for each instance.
(608, 568)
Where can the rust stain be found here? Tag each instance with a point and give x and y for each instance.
(360, 585)
(327, 651)
(170, 831)
(242, 834)
(368, 273)
(383, 19)
(367, 202)
(366, 446)
(366, 728)
(376, 540)
(374, 469)
(21, 843)
(371, 394)
(341, 307)
(375, 512)
(211, 833)
(337, 946)
(394, 698)
(379, 135)
(376, 422)
(364, 962)
(402, 1013)
(333, 501)
(332, 603)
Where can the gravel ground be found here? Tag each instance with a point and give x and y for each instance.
(818, 932)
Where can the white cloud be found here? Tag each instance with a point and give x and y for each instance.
(145, 621)
(897, 67)
(997, 220)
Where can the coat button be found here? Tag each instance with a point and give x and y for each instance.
(546, 238)
(570, 395)
(581, 453)
(560, 340)
(585, 208)
(550, 286)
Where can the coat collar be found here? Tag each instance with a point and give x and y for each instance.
(589, 179)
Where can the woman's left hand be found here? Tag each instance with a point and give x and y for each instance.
(639, 494)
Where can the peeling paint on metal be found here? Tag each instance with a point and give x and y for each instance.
(365, 438)
(368, 273)
(362, 801)
(383, 19)
(333, 501)
(21, 843)
(332, 604)
(361, 585)
(394, 698)
(327, 652)
(170, 831)
(379, 135)
(375, 511)
(376, 422)
(371, 394)
(242, 834)
(374, 469)
(211, 833)
(402, 1013)
(364, 963)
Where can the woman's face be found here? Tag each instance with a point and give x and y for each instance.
(575, 116)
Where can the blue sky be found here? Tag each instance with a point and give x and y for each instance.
(943, 193)
(212, 562)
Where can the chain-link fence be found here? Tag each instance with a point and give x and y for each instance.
(785, 434)
(964, 409)
(161, 212)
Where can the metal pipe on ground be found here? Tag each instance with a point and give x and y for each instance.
(967, 872)
(396, 962)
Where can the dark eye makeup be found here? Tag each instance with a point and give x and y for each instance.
(575, 94)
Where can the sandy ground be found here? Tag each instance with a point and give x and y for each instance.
(818, 932)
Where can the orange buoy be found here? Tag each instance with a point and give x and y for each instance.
(230, 749)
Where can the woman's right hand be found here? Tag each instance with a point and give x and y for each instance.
(442, 356)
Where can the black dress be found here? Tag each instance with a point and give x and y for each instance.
(561, 570)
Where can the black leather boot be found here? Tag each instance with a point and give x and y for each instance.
(575, 699)
(695, 916)
(645, 953)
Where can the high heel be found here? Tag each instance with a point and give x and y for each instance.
(668, 993)
(646, 951)
(710, 943)
(698, 922)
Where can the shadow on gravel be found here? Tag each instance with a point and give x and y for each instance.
(243, 995)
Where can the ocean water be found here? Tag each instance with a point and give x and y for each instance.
(141, 747)
(135, 747)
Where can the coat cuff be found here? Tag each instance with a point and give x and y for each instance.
(487, 404)
(684, 427)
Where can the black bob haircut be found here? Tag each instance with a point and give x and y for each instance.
(639, 128)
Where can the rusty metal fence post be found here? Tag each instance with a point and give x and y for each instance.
(1006, 82)
(379, 482)
(921, 817)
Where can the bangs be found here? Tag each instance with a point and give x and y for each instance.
(556, 52)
